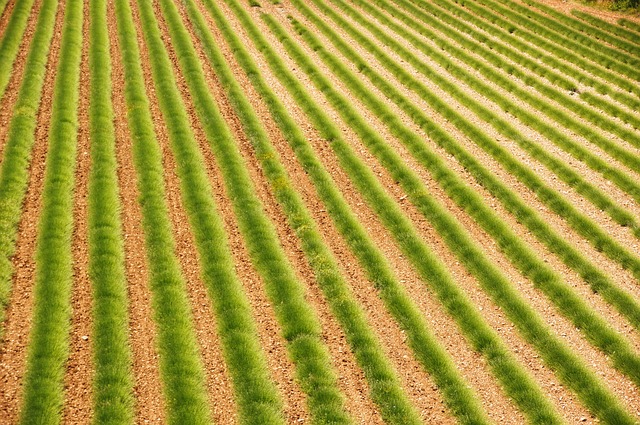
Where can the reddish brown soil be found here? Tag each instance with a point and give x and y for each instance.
(142, 330)
(17, 325)
(416, 382)
(79, 376)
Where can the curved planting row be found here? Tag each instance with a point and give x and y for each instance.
(14, 173)
(582, 153)
(531, 266)
(184, 59)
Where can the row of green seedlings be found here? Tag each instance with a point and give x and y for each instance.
(299, 323)
(629, 158)
(113, 383)
(561, 59)
(520, 29)
(630, 25)
(12, 39)
(48, 346)
(585, 226)
(518, 384)
(582, 32)
(524, 16)
(382, 380)
(565, 173)
(14, 171)
(468, 252)
(519, 254)
(569, 28)
(629, 36)
(558, 57)
(486, 48)
(458, 18)
(531, 326)
(181, 369)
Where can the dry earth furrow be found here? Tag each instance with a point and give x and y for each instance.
(149, 400)
(17, 325)
(10, 96)
(270, 337)
(595, 301)
(78, 380)
(219, 385)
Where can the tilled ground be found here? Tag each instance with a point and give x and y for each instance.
(421, 390)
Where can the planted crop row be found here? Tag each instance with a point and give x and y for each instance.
(582, 224)
(446, 11)
(567, 301)
(526, 215)
(385, 388)
(483, 339)
(595, 117)
(557, 54)
(113, 384)
(603, 59)
(49, 338)
(629, 36)
(181, 369)
(11, 40)
(566, 25)
(554, 352)
(298, 321)
(14, 172)
(630, 24)
(625, 182)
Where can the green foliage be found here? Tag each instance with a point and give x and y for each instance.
(113, 383)
(555, 353)
(48, 347)
(14, 173)
(300, 326)
(628, 36)
(567, 301)
(11, 39)
(365, 345)
(634, 27)
(180, 365)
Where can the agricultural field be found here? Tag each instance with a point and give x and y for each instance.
(319, 211)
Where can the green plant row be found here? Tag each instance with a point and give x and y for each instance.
(511, 32)
(11, 40)
(181, 369)
(563, 27)
(439, 9)
(588, 114)
(48, 347)
(581, 223)
(566, 300)
(629, 36)
(14, 168)
(581, 32)
(526, 215)
(604, 59)
(625, 182)
(559, 58)
(298, 321)
(559, 357)
(630, 24)
(483, 339)
(113, 383)
(383, 382)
